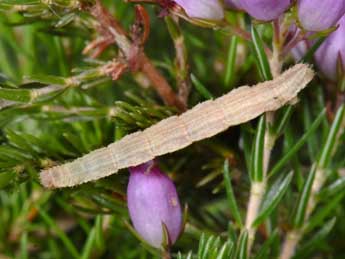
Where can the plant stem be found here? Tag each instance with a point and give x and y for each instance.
(290, 243)
(294, 235)
(258, 189)
(270, 139)
(319, 180)
(160, 83)
(111, 28)
(166, 255)
(181, 60)
(257, 192)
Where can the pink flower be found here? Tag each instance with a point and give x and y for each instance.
(265, 10)
(202, 9)
(331, 50)
(152, 201)
(320, 15)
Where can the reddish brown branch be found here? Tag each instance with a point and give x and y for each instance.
(162, 86)
(133, 53)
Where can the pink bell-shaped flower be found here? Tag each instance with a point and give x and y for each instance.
(153, 204)
(320, 15)
(265, 10)
(202, 9)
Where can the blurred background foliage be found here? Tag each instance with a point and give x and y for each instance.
(45, 120)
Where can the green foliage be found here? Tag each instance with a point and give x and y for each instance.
(257, 169)
(230, 195)
(211, 247)
(272, 198)
(231, 62)
(260, 55)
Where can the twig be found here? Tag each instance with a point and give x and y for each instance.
(290, 244)
(109, 26)
(161, 85)
(181, 60)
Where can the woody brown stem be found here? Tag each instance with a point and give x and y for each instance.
(182, 68)
(133, 54)
(161, 85)
(181, 59)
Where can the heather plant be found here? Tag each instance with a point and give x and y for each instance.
(207, 89)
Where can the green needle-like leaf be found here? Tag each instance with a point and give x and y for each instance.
(24, 246)
(89, 245)
(318, 218)
(230, 195)
(230, 63)
(263, 253)
(261, 57)
(201, 88)
(336, 187)
(62, 235)
(272, 198)
(225, 251)
(207, 247)
(6, 178)
(17, 95)
(308, 57)
(283, 120)
(314, 242)
(330, 144)
(202, 242)
(299, 144)
(299, 217)
(242, 244)
(257, 170)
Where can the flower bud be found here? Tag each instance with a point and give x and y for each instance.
(331, 50)
(320, 15)
(202, 9)
(152, 201)
(265, 10)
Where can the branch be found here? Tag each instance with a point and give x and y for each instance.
(181, 60)
(135, 57)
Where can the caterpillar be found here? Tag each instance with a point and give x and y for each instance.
(176, 132)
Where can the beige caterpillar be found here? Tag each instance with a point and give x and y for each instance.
(203, 121)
